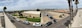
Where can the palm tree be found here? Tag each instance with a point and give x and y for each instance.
(20, 13)
(71, 9)
(67, 23)
(4, 9)
(76, 3)
(37, 9)
(40, 14)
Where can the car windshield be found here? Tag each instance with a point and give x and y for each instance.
(26, 21)
(37, 23)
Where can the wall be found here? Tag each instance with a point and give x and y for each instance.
(8, 23)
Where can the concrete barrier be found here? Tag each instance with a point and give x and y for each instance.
(0, 23)
(77, 21)
(8, 23)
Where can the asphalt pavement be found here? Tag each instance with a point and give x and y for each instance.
(59, 24)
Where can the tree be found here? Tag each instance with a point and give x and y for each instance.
(37, 9)
(60, 16)
(4, 9)
(76, 3)
(71, 9)
(20, 13)
(67, 23)
(40, 14)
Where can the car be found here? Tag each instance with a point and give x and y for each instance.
(48, 24)
(13, 17)
(37, 24)
(46, 14)
(54, 20)
(26, 22)
(18, 20)
(12, 21)
(51, 17)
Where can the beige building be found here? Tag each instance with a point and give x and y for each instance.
(31, 14)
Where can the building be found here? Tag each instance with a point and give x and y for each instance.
(31, 14)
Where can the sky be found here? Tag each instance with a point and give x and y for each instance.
(34, 4)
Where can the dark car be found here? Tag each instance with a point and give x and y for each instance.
(12, 21)
(51, 18)
(48, 24)
(13, 17)
(54, 20)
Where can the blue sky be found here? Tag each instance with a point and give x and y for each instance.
(33, 4)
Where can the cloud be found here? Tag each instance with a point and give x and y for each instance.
(49, 3)
(29, 4)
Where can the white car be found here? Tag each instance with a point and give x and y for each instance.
(37, 24)
(18, 20)
(26, 22)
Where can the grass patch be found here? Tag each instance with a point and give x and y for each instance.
(37, 18)
(22, 17)
(34, 19)
(15, 15)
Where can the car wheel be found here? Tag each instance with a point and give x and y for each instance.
(41, 25)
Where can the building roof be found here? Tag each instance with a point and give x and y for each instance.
(32, 12)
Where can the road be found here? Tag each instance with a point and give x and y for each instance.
(20, 24)
(59, 24)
